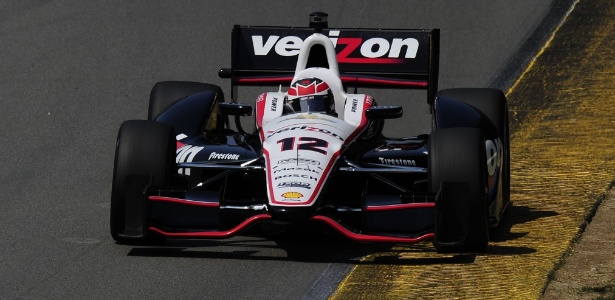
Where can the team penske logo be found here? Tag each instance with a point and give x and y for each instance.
(353, 50)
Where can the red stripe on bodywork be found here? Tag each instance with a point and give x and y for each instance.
(386, 82)
(184, 201)
(345, 79)
(400, 206)
(213, 234)
(372, 238)
(260, 109)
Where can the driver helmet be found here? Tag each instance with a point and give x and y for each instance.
(310, 95)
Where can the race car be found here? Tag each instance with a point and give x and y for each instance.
(317, 154)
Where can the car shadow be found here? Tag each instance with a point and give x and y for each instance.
(300, 247)
(517, 215)
(318, 250)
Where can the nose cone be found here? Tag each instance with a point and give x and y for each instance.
(291, 214)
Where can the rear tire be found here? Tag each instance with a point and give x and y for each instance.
(165, 93)
(458, 173)
(144, 155)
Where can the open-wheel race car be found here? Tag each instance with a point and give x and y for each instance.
(317, 154)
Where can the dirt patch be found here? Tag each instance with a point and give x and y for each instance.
(588, 271)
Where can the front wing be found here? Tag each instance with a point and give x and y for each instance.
(174, 213)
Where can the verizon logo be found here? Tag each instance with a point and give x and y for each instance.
(354, 50)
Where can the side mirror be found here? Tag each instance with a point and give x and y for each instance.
(384, 112)
(235, 109)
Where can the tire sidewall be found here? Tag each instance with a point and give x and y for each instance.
(143, 148)
(165, 93)
(458, 155)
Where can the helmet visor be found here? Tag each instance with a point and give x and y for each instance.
(314, 103)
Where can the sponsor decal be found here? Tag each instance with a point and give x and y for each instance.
(299, 161)
(313, 117)
(294, 195)
(261, 97)
(494, 155)
(307, 128)
(369, 100)
(355, 104)
(223, 156)
(295, 184)
(294, 169)
(296, 176)
(376, 50)
(274, 104)
(186, 154)
(397, 161)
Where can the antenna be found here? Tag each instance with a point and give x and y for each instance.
(318, 21)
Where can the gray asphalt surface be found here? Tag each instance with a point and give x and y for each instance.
(72, 71)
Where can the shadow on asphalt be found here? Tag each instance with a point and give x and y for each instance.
(299, 247)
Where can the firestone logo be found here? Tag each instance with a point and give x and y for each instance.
(373, 51)
(223, 156)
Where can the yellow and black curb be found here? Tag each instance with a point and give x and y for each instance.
(562, 113)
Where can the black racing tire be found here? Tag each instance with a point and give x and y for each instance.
(457, 172)
(492, 103)
(144, 149)
(165, 93)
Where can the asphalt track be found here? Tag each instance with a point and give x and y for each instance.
(72, 71)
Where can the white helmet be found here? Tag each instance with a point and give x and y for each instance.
(310, 95)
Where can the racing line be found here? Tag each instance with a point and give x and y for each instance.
(562, 162)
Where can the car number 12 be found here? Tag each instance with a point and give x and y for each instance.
(305, 143)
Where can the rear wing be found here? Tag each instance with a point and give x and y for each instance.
(404, 58)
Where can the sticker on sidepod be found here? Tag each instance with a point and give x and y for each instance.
(186, 154)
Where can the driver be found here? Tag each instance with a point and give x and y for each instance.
(310, 95)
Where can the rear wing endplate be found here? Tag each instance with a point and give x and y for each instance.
(404, 58)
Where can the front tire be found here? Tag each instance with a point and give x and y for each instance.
(457, 174)
(492, 103)
(144, 156)
(165, 93)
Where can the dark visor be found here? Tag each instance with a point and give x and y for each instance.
(316, 103)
